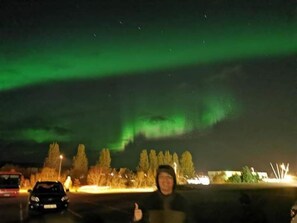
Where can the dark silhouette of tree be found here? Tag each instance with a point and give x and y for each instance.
(80, 164)
(53, 159)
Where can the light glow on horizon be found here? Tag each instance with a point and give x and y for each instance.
(94, 189)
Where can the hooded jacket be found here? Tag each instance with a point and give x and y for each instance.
(160, 208)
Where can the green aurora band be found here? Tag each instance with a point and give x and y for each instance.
(94, 55)
(214, 108)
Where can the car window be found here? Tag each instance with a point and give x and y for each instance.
(48, 188)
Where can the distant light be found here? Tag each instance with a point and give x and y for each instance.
(287, 179)
(204, 180)
(94, 189)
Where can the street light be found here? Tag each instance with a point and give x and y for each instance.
(61, 158)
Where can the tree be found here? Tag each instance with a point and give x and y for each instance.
(160, 158)
(97, 176)
(99, 173)
(32, 179)
(10, 168)
(153, 161)
(76, 183)
(104, 159)
(52, 161)
(175, 164)
(186, 164)
(124, 178)
(235, 178)
(175, 160)
(143, 162)
(219, 178)
(140, 179)
(46, 174)
(248, 176)
(167, 158)
(80, 164)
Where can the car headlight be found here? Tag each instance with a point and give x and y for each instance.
(65, 198)
(34, 198)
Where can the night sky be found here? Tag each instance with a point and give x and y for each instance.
(216, 78)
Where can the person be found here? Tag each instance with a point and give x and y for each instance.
(165, 204)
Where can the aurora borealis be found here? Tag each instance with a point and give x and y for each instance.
(207, 77)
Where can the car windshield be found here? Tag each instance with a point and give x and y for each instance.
(48, 188)
(101, 98)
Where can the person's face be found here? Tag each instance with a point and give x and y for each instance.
(166, 183)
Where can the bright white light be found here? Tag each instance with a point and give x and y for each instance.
(204, 180)
(193, 181)
(287, 179)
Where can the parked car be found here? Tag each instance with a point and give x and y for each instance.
(48, 196)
